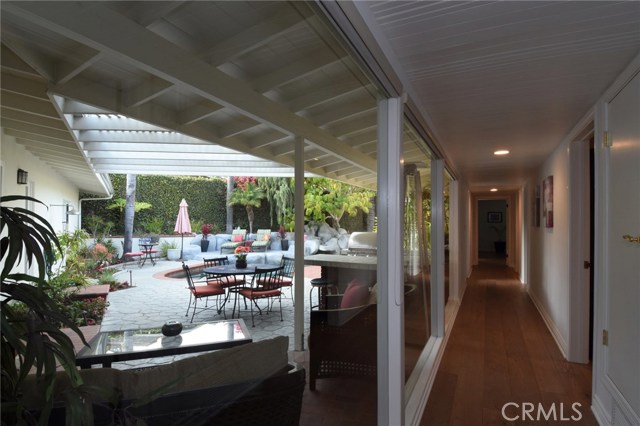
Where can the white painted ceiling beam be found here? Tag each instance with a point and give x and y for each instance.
(345, 111)
(69, 154)
(26, 117)
(333, 91)
(41, 64)
(198, 112)
(10, 61)
(12, 83)
(199, 171)
(110, 122)
(146, 91)
(169, 137)
(70, 147)
(36, 130)
(240, 165)
(355, 125)
(65, 71)
(38, 137)
(73, 107)
(166, 148)
(107, 31)
(253, 37)
(26, 103)
(295, 70)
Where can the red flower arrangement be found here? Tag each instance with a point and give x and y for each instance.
(241, 252)
(206, 229)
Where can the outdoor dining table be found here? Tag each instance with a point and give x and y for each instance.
(232, 270)
(147, 250)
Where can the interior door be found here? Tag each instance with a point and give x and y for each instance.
(622, 267)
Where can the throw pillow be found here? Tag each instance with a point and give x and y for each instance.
(356, 294)
(237, 238)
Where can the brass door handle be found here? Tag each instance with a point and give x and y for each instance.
(632, 239)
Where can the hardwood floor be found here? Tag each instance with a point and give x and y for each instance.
(499, 352)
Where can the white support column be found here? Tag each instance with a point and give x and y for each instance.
(298, 326)
(390, 265)
(437, 247)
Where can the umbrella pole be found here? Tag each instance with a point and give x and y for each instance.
(181, 246)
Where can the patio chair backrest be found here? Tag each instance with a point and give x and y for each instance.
(260, 235)
(267, 278)
(288, 266)
(187, 273)
(216, 261)
(242, 232)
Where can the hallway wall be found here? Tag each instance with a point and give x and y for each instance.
(549, 249)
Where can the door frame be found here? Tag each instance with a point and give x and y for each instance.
(579, 247)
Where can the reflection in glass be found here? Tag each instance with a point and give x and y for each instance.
(416, 270)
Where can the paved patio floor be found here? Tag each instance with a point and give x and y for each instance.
(155, 299)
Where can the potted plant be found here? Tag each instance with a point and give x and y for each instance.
(284, 243)
(170, 250)
(206, 229)
(31, 339)
(241, 256)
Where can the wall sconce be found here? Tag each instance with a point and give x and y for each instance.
(23, 177)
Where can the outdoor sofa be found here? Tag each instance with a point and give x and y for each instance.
(244, 385)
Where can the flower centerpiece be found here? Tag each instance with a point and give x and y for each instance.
(206, 229)
(241, 256)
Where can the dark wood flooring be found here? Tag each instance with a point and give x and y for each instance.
(501, 351)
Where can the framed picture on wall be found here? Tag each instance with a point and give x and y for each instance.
(494, 217)
(547, 202)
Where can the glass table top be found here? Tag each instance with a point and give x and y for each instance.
(150, 339)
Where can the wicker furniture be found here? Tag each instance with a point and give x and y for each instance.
(342, 342)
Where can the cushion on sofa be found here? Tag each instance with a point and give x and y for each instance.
(252, 361)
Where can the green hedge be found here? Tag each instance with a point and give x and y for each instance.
(206, 197)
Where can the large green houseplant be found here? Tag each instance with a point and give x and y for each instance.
(31, 341)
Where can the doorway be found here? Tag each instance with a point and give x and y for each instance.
(492, 231)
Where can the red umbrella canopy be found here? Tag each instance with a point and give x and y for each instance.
(183, 226)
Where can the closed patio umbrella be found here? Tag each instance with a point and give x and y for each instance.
(183, 226)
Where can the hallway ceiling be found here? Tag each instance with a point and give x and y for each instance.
(182, 87)
(514, 75)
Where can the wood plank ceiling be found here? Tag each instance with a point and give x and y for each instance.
(514, 75)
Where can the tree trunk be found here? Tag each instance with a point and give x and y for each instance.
(250, 215)
(371, 216)
(129, 212)
(229, 206)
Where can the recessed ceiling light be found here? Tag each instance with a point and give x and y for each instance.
(494, 190)
(501, 152)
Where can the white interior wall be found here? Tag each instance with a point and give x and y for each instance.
(548, 282)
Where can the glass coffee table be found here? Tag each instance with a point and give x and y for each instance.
(125, 345)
